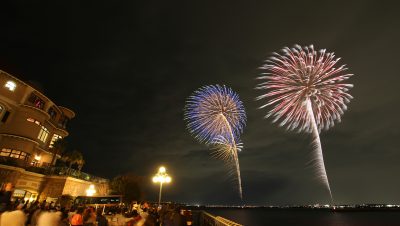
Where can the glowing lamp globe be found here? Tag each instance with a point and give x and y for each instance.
(90, 191)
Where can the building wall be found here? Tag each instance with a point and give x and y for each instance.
(30, 181)
(48, 187)
(56, 186)
(9, 174)
(18, 143)
(52, 187)
(22, 179)
(76, 187)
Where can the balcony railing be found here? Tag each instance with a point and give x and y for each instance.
(50, 170)
(206, 219)
(65, 171)
(9, 161)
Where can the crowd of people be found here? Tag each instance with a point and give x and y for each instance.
(34, 213)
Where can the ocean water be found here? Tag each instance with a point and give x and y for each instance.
(304, 217)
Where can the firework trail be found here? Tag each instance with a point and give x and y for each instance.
(216, 116)
(306, 93)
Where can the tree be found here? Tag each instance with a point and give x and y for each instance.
(58, 148)
(80, 163)
(74, 157)
(128, 185)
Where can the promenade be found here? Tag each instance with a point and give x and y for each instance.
(61, 213)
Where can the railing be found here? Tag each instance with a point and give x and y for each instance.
(36, 169)
(64, 171)
(49, 170)
(206, 219)
(5, 160)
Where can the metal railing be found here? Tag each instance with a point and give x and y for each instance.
(207, 219)
(65, 171)
(50, 170)
(9, 161)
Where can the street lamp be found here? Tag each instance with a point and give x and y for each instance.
(91, 191)
(161, 177)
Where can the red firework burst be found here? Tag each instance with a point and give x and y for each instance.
(298, 75)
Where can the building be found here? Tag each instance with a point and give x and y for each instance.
(30, 123)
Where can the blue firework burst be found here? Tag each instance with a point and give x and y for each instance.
(214, 111)
(216, 116)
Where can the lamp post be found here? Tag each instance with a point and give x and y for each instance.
(161, 177)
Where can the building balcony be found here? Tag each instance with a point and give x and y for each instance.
(51, 171)
(35, 111)
(65, 171)
(9, 161)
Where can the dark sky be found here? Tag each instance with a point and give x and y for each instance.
(126, 68)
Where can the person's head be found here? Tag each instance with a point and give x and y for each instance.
(64, 215)
(80, 210)
(128, 215)
(20, 206)
(86, 211)
(99, 212)
(8, 187)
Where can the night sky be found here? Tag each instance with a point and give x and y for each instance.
(126, 68)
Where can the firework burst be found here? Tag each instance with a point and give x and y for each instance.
(306, 93)
(216, 116)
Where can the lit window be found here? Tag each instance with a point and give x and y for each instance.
(15, 154)
(23, 155)
(1, 110)
(7, 152)
(36, 101)
(33, 120)
(10, 85)
(19, 193)
(54, 139)
(63, 121)
(43, 134)
(36, 160)
(5, 116)
(52, 113)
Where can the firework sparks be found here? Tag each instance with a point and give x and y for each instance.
(306, 93)
(216, 116)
